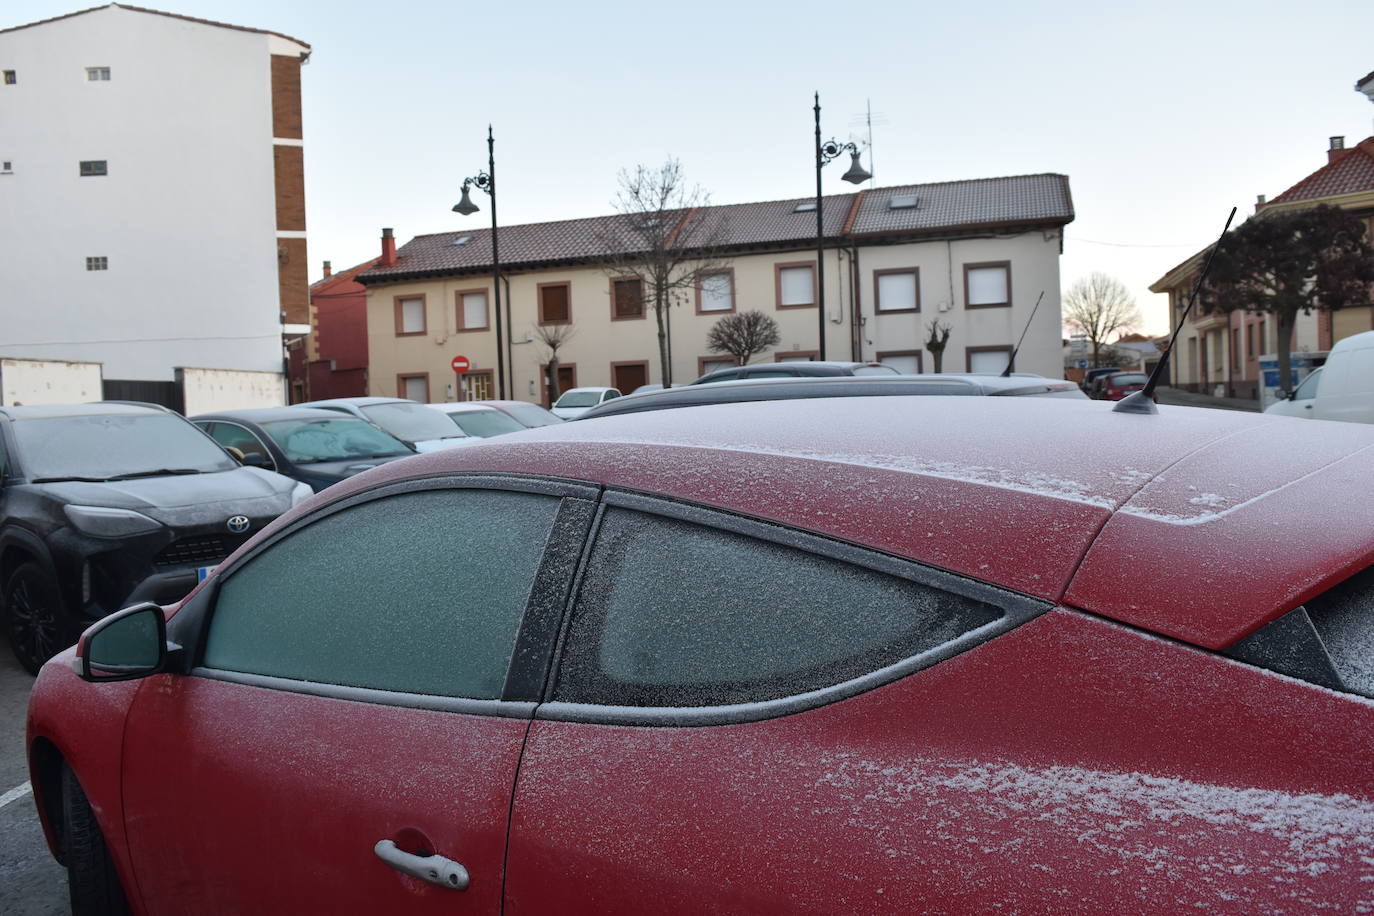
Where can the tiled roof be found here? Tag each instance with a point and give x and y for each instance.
(340, 276)
(1026, 200)
(139, 9)
(1349, 174)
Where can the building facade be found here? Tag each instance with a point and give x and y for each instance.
(974, 256)
(152, 181)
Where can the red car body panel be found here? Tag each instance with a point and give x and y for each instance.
(242, 799)
(1209, 552)
(1070, 766)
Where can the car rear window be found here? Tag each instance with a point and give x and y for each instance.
(676, 614)
(484, 423)
(1132, 379)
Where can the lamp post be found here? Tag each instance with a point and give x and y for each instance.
(856, 175)
(486, 181)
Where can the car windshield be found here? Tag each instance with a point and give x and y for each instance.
(308, 441)
(1134, 378)
(579, 399)
(483, 423)
(532, 415)
(106, 446)
(875, 370)
(411, 422)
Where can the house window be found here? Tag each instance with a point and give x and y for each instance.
(987, 360)
(101, 263)
(6, 167)
(707, 364)
(897, 290)
(10, 78)
(627, 298)
(987, 285)
(555, 303)
(796, 284)
(97, 74)
(716, 293)
(907, 362)
(90, 167)
(415, 387)
(410, 315)
(472, 310)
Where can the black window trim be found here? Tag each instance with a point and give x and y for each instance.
(267, 449)
(1017, 609)
(539, 620)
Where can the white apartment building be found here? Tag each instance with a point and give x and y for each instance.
(151, 181)
(975, 256)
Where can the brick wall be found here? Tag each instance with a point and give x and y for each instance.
(286, 97)
(289, 163)
(293, 287)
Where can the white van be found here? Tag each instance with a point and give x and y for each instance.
(1343, 389)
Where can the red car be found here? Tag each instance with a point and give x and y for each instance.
(888, 655)
(1119, 384)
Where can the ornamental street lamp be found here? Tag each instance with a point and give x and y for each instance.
(856, 175)
(486, 181)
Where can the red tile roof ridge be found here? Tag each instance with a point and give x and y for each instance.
(853, 212)
(343, 275)
(1365, 147)
(140, 9)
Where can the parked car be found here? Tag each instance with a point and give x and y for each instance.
(317, 447)
(479, 420)
(793, 369)
(866, 656)
(1090, 377)
(1117, 385)
(103, 505)
(1342, 389)
(951, 384)
(576, 401)
(410, 421)
(531, 416)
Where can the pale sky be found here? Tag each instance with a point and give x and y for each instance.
(1163, 115)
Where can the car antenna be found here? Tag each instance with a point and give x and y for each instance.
(1142, 401)
(1011, 360)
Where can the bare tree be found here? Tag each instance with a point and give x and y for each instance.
(666, 238)
(1099, 306)
(743, 335)
(935, 343)
(553, 337)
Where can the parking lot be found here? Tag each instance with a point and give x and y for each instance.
(31, 882)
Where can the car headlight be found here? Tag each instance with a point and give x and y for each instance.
(101, 522)
(301, 493)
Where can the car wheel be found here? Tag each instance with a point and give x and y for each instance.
(35, 620)
(91, 876)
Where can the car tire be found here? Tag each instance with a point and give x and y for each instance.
(36, 621)
(91, 876)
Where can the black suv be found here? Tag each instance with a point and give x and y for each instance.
(104, 505)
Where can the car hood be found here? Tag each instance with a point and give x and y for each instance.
(438, 445)
(186, 499)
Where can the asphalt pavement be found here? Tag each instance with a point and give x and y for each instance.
(31, 881)
(1181, 398)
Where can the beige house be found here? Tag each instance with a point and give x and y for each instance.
(972, 255)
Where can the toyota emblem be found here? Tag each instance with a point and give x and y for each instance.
(238, 524)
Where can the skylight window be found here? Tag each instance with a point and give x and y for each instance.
(903, 202)
(460, 241)
(805, 206)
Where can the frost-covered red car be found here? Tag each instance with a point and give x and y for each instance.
(887, 655)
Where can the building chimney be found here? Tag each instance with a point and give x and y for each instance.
(328, 270)
(1260, 201)
(388, 249)
(1337, 149)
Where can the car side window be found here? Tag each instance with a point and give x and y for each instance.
(674, 613)
(231, 435)
(1308, 389)
(418, 592)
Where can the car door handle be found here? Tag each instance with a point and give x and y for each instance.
(434, 869)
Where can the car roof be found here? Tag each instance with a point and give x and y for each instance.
(93, 409)
(463, 407)
(827, 387)
(272, 414)
(1062, 499)
(596, 388)
(357, 402)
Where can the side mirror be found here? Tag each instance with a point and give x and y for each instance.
(256, 460)
(1290, 395)
(129, 644)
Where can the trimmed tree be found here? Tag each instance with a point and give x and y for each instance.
(1288, 262)
(743, 335)
(938, 333)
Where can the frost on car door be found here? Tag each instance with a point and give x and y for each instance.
(351, 690)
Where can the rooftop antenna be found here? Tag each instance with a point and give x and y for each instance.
(867, 120)
(1011, 361)
(1143, 400)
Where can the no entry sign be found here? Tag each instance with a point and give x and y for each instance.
(461, 364)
